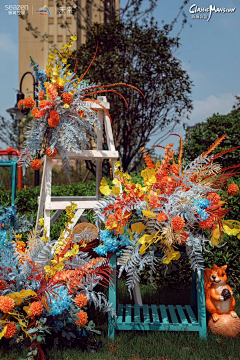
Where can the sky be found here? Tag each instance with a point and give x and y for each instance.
(209, 52)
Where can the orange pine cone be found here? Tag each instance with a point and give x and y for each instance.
(21, 104)
(206, 224)
(37, 113)
(53, 122)
(50, 153)
(81, 300)
(36, 308)
(36, 164)
(29, 103)
(178, 223)
(45, 103)
(11, 331)
(67, 98)
(233, 189)
(83, 318)
(6, 304)
(214, 197)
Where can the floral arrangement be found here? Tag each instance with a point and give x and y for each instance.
(46, 286)
(63, 120)
(174, 207)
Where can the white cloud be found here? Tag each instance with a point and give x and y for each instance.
(202, 109)
(7, 45)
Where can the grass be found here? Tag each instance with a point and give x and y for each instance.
(152, 345)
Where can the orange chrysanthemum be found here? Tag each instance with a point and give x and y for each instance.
(81, 300)
(45, 103)
(214, 198)
(9, 150)
(41, 95)
(206, 224)
(178, 223)
(6, 304)
(54, 115)
(83, 318)
(11, 331)
(37, 113)
(50, 153)
(162, 217)
(21, 104)
(36, 164)
(53, 122)
(29, 103)
(36, 308)
(67, 98)
(233, 189)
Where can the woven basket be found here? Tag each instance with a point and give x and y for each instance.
(79, 228)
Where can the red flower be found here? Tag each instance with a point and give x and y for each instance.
(206, 224)
(81, 300)
(37, 113)
(36, 308)
(83, 318)
(178, 223)
(21, 104)
(53, 122)
(233, 189)
(36, 164)
(214, 197)
(67, 98)
(50, 153)
(29, 103)
(6, 304)
(54, 115)
(45, 103)
(11, 331)
(162, 217)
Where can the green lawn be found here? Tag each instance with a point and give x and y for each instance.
(154, 345)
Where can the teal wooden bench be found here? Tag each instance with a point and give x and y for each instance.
(163, 317)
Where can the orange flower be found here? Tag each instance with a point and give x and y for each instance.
(233, 189)
(206, 224)
(29, 103)
(53, 122)
(83, 318)
(214, 197)
(9, 150)
(50, 153)
(67, 98)
(36, 308)
(21, 104)
(54, 115)
(178, 223)
(37, 113)
(6, 304)
(11, 331)
(81, 300)
(162, 217)
(41, 95)
(45, 103)
(36, 164)
(21, 246)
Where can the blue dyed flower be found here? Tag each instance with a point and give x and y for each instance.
(58, 304)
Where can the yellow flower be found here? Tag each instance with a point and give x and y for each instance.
(104, 188)
(73, 38)
(172, 255)
(149, 176)
(41, 222)
(66, 106)
(19, 236)
(117, 164)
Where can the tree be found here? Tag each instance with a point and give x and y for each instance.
(199, 138)
(142, 56)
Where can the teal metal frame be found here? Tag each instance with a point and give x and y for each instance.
(163, 317)
(13, 166)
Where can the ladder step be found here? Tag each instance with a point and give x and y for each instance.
(61, 205)
(91, 155)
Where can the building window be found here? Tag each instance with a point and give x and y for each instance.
(50, 20)
(69, 2)
(68, 38)
(69, 20)
(50, 3)
(60, 20)
(50, 38)
(60, 38)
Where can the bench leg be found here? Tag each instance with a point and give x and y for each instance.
(201, 306)
(194, 292)
(112, 299)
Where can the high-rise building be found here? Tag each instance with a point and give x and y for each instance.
(58, 19)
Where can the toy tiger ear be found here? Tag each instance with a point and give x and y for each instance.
(215, 267)
(224, 267)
